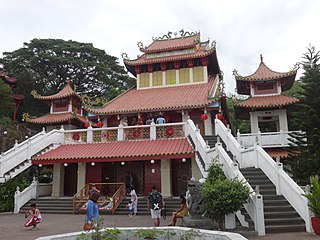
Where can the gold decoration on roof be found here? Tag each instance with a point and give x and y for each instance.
(25, 116)
(96, 102)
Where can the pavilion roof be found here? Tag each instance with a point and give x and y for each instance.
(160, 99)
(267, 101)
(10, 80)
(263, 74)
(67, 91)
(118, 151)
(277, 152)
(169, 44)
(58, 118)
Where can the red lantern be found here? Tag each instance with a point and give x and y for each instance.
(167, 118)
(219, 116)
(87, 124)
(100, 124)
(204, 117)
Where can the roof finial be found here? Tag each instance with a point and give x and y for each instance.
(261, 58)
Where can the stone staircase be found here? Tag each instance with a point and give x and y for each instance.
(279, 215)
(211, 140)
(64, 205)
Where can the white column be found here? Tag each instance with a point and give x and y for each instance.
(81, 175)
(208, 125)
(150, 79)
(177, 76)
(89, 135)
(184, 115)
(163, 78)
(166, 184)
(283, 122)
(138, 81)
(51, 107)
(205, 73)
(70, 105)
(58, 180)
(254, 122)
(191, 75)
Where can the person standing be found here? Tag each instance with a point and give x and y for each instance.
(181, 212)
(161, 120)
(134, 200)
(155, 203)
(35, 214)
(93, 209)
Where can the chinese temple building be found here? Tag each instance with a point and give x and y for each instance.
(267, 108)
(17, 98)
(178, 78)
(65, 109)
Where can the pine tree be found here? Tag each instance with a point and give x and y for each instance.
(305, 156)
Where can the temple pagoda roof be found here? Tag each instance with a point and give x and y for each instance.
(267, 101)
(167, 49)
(118, 151)
(67, 91)
(58, 118)
(161, 45)
(160, 99)
(263, 74)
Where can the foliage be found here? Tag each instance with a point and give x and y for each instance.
(45, 175)
(148, 233)
(239, 124)
(6, 103)
(46, 64)
(215, 173)
(314, 196)
(189, 235)
(223, 196)
(8, 189)
(305, 157)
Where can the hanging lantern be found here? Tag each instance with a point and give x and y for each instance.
(100, 124)
(204, 117)
(219, 116)
(86, 125)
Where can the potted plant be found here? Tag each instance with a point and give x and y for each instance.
(314, 203)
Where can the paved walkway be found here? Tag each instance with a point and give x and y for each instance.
(11, 226)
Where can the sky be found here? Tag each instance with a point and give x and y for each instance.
(280, 30)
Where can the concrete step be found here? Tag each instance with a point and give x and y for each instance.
(285, 228)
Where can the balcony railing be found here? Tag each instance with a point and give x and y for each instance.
(127, 133)
(267, 139)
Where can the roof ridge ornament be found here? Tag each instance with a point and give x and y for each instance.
(125, 56)
(183, 33)
(261, 58)
(235, 73)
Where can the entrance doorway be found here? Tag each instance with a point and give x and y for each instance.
(115, 172)
(181, 174)
(70, 179)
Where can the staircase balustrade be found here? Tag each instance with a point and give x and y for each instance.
(21, 198)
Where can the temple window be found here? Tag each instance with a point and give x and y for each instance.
(198, 75)
(265, 88)
(60, 105)
(144, 80)
(157, 78)
(184, 75)
(170, 77)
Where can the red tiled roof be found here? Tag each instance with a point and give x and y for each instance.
(18, 97)
(263, 73)
(118, 151)
(155, 99)
(171, 44)
(57, 118)
(201, 52)
(277, 152)
(267, 101)
(67, 91)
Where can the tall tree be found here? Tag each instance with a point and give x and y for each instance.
(304, 158)
(45, 64)
(6, 102)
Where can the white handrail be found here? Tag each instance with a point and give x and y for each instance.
(21, 198)
(284, 185)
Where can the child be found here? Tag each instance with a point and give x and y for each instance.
(35, 217)
(130, 208)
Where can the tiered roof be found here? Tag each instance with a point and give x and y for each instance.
(267, 102)
(263, 73)
(9, 80)
(160, 99)
(67, 91)
(58, 118)
(168, 45)
(118, 151)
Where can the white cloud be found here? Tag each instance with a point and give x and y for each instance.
(280, 30)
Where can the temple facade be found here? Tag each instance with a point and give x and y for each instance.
(142, 132)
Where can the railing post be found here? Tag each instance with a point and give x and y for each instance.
(153, 131)
(89, 135)
(16, 201)
(120, 133)
(259, 215)
(279, 168)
